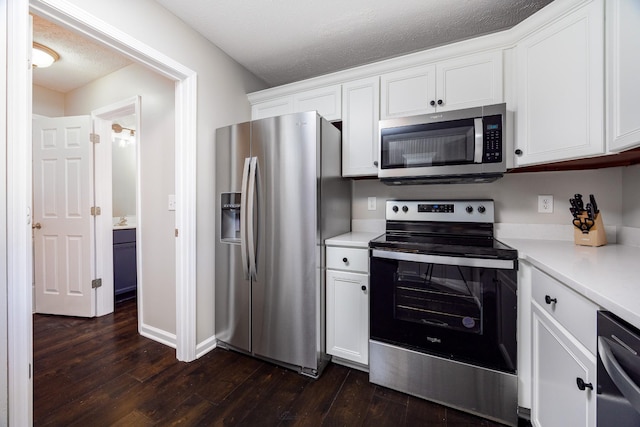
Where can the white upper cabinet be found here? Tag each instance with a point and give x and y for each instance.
(469, 81)
(560, 111)
(463, 82)
(623, 74)
(360, 116)
(408, 92)
(272, 108)
(327, 101)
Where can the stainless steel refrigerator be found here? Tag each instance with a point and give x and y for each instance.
(280, 195)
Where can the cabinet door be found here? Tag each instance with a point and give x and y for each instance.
(469, 81)
(327, 101)
(623, 69)
(348, 316)
(561, 89)
(408, 92)
(272, 108)
(558, 361)
(360, 115)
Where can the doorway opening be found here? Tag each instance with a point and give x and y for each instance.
(19, 194)
(123, 119)
(183, 158)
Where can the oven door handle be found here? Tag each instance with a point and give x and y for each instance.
(620, 378)
(502, 264)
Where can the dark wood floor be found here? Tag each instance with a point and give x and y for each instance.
(100, 372)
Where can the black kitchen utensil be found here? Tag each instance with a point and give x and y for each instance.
(592, 200)
(575, 212)
(574, 205)
(584, 224)
(579, 202)
(591, 213)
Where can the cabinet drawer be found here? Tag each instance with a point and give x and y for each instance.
(574, 312)
(127, 235)
(357, 259)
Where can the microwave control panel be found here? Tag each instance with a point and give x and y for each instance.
(492, 139)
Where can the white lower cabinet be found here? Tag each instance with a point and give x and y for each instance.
(347, 304)
(348, 316)
(563, 368)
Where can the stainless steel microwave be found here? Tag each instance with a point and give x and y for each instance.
(458, 146)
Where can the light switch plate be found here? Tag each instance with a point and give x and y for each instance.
(172, 202)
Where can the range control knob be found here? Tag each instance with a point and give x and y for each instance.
(469, 209)
(405, 208)
(481, 209)
(394, 208)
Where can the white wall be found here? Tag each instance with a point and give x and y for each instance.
(631, 196)
(47, 102)
(516, 195)
(156, 138)
(222, 85)
(4, 378)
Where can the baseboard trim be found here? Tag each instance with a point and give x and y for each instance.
(163, 337)
(206, 346)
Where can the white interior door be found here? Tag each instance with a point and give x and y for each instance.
(63, 189)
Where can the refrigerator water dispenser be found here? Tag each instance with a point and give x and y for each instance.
(230, 215)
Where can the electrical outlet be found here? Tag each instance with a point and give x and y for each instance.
(545, 203)
(172, 202)
(371, 203)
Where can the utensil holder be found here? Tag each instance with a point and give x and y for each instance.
(596, 236)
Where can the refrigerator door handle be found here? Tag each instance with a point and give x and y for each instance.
(253, 173)
(243, 217)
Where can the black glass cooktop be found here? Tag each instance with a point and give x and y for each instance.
(443, 244)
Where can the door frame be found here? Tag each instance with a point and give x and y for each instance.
(103, 186)
(19, 98)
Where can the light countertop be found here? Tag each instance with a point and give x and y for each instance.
(354, 239)
(607, 275)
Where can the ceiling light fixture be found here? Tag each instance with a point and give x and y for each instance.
(42, 56)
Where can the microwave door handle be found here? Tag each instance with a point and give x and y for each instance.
(243, 218)
(479, 140)
(620, 378)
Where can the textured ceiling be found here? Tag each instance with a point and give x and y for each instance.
(81, 60)
(282, 41)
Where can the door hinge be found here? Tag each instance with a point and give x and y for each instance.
(95, 211)
(176, 232)
(95, 138)
(96, 283)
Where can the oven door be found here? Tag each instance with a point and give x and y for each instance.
(455, 307)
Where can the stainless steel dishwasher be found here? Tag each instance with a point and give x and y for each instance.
(618, 393)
